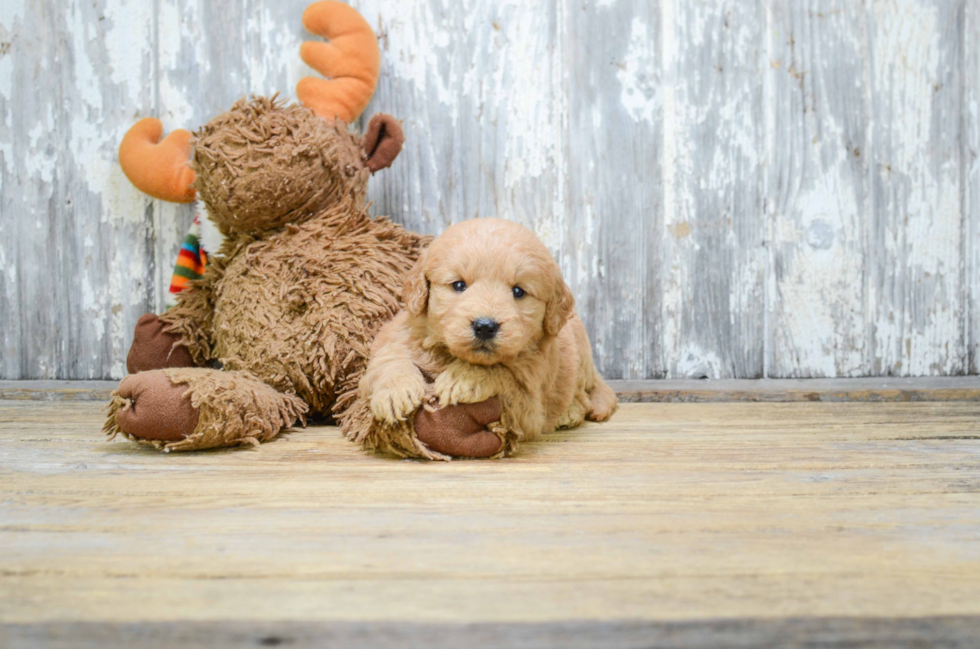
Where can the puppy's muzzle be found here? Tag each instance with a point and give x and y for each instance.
(485, 328)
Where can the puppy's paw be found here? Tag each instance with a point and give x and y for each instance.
(396, 403)
(601, 415)
(573, 416)
(463, 384)
(604, 403)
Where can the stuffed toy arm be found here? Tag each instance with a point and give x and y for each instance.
(181, 337)
(158, 166)
(191, 319)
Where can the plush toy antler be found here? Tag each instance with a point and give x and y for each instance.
(158, 168)
(351, 59)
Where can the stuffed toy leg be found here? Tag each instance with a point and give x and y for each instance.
(198, 408)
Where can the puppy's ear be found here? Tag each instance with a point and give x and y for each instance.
(415, 292)
(558, 308)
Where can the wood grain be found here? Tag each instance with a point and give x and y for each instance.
(817, 188)
(916, 277)
(941, 388)
(613, 218)
(971, 180)
(714, 296)
(478, 85)
(944, 632)
(791, 390)
(778, 188)
(670, 513)
(75, 243)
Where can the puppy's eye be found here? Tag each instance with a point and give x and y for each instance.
(459, 286)
(518, 292)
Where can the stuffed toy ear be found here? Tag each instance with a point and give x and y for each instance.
(382, 142)
(158, 168)
(558, 308)
(415, 293)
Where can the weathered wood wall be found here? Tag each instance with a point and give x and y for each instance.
(734, 188)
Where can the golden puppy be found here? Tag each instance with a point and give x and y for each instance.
(487, 314)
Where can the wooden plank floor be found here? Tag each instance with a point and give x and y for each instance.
(728, 522)
(933, 388)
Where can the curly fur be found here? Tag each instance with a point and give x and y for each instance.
(539, 364)
(305, 278)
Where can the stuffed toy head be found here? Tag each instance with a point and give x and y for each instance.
(263, 163)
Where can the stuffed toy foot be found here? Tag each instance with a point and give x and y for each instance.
(198, 408)
(155, 349)
(467, 430)
(461, 430)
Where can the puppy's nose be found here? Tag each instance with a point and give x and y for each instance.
(485, 328)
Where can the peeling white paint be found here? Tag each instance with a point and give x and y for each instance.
(712, 170)
(639, 78)
(129, 29)
(866, 269)
(695, 363)
(418, 34)
(275, 65)
(13, 11)
(93, 304)
(179, 35)
(87, 80)
(917, 325)
(672, 299)
(532, 136)
(816, 201)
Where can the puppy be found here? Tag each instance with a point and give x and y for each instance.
(487, 314)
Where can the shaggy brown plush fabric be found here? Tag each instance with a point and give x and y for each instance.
(232, 408)
(305, 278)
(300, 308)
(264, 164)
(301, 286)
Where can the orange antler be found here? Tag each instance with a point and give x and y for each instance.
(158, 168)
(351, 59)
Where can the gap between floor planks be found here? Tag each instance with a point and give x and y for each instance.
(949, 388)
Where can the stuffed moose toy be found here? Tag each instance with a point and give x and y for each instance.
(281, 323)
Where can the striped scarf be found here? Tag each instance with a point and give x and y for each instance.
(192, 258)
